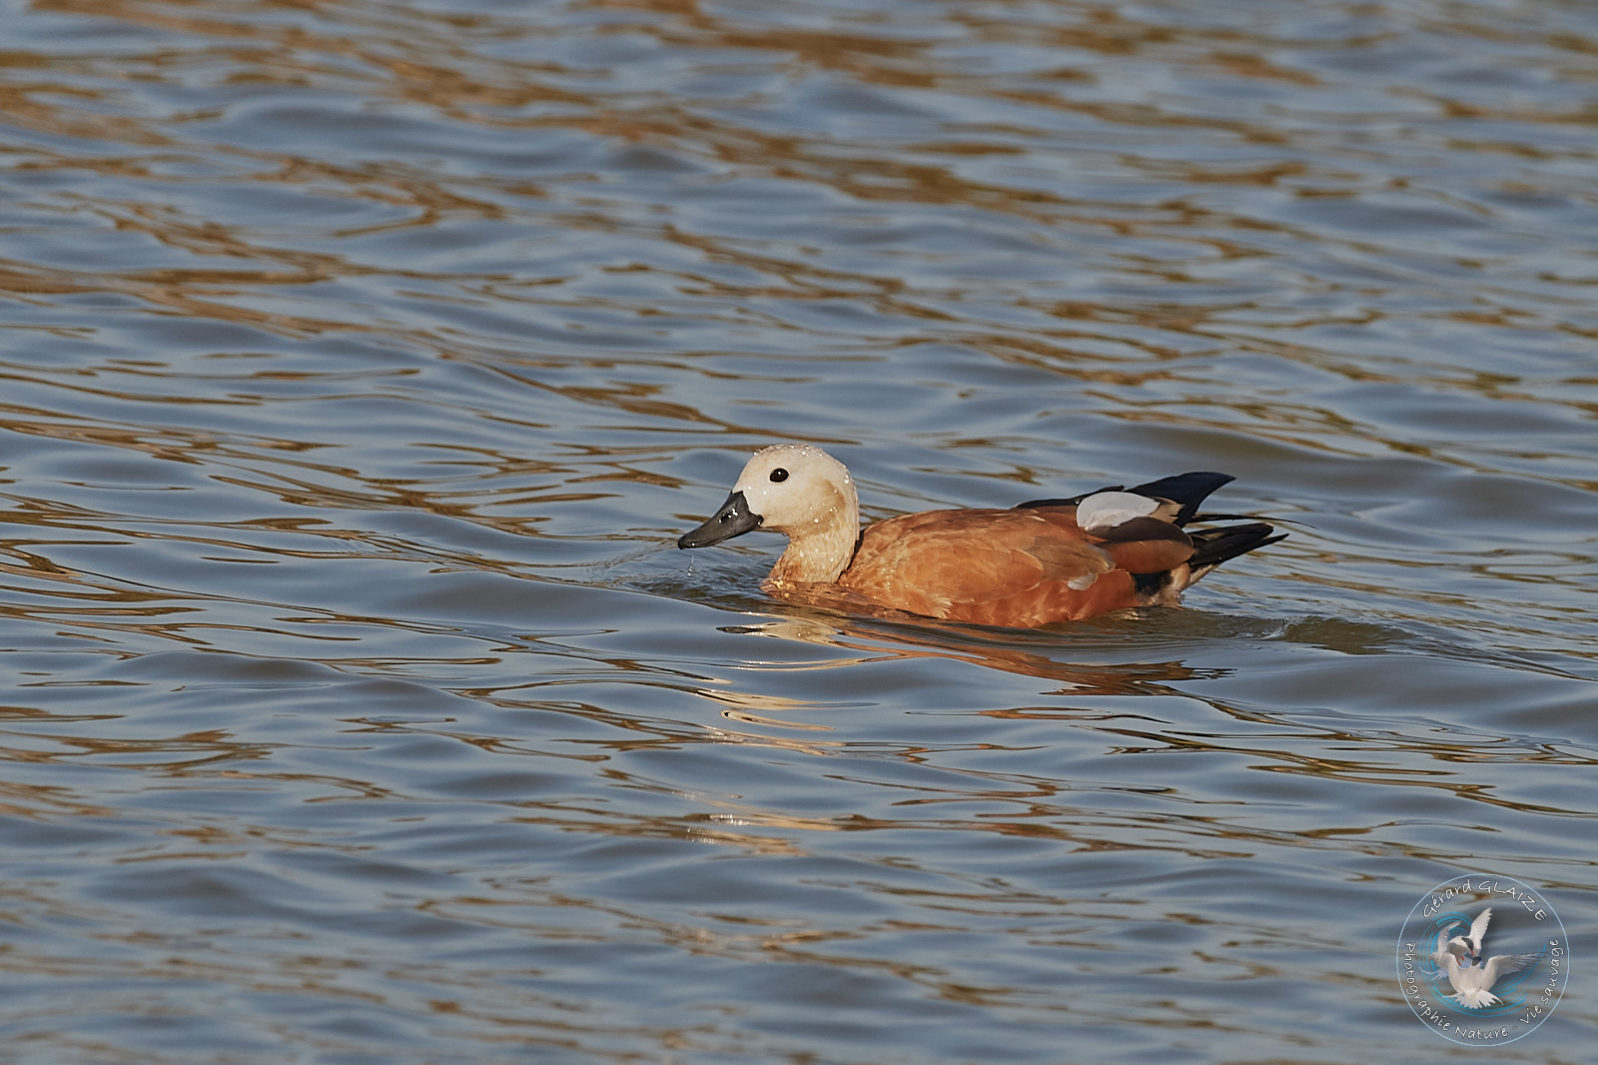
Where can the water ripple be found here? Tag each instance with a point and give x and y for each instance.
(364, 360)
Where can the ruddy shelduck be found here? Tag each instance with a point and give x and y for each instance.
(1041, 562)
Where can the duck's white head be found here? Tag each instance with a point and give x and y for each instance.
(795, 489)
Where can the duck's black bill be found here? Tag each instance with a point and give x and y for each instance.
(733, 519)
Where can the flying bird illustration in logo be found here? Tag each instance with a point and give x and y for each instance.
(1471, 941)
(1472, 978)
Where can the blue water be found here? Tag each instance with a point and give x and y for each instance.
(363, 361)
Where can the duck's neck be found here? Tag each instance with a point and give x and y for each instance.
(821, 550)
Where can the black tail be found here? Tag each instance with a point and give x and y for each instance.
(1214, 546)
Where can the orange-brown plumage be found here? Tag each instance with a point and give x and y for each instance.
(1023, 567)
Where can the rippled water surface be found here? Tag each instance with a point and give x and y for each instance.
(362, 359)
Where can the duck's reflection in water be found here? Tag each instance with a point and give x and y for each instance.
(1030, 654)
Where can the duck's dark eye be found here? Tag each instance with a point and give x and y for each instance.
(779, 475)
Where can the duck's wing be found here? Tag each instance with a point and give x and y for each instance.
(1154, 513)
(1187, 491)
(1018, 567)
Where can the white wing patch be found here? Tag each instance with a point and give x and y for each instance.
(1105, 510)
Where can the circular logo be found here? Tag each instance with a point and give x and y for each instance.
(1483, 960)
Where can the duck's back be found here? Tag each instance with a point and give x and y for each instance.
(1019, 568)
